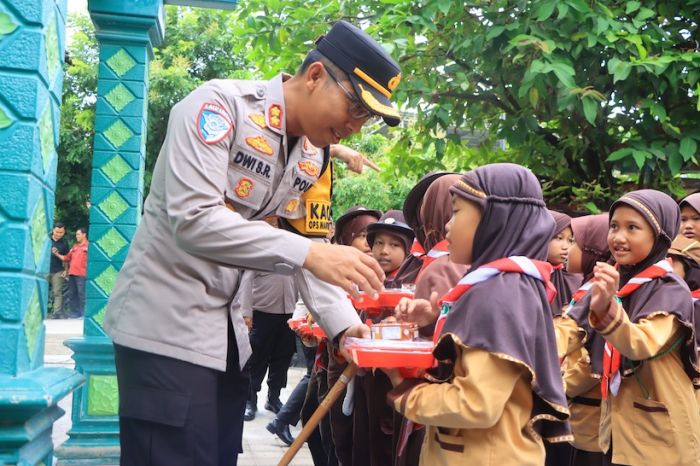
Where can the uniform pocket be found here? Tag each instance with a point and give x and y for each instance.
(453, 443)
(154, 405)
(651, 423)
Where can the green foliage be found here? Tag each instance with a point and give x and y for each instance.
(77, 127)
(594, 97)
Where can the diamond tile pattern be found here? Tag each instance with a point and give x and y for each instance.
(106, 279)
(39, 230)
(112, 242)
(116, 169)
(46, 136)
(118, 133)
(100, 316)
(52, 49)
(32, 323)
(121, 62)
(119, 97)
(113, 205)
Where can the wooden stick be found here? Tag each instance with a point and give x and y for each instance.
(320, 412)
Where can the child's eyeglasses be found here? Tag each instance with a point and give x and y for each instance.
(356, 110)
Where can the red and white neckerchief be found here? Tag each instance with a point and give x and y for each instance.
(520, 264)
(439, 250)
(611, 357)
(417, 250)
(695, 294)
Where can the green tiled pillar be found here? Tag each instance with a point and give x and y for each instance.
(31, 53)
(126, 31)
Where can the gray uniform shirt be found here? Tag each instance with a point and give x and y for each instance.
(270, 293)
(226, 142)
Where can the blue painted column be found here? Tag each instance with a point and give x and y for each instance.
(126, 32)
(31, 54)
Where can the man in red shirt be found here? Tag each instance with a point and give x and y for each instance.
(77, 269)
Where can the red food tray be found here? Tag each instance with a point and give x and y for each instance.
(388, 299)
(390, 353)
(306, 329)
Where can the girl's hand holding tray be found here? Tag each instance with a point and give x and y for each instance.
(387, 299)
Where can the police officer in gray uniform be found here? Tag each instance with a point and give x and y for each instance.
(235, 152)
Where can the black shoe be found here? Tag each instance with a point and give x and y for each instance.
(273, 404)
(250, 410)
(280, 430)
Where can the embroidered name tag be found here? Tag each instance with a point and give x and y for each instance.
(213, 123)
(252, 163)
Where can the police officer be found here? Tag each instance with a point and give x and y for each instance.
(236, 152)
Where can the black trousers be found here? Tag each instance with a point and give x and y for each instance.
(273, 344)
(174, 413)
(291, 411)
(320, 441)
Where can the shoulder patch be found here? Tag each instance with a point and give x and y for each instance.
(260, 144)
(213, 123)
(258, 119)
(274, 116)
(309, 168)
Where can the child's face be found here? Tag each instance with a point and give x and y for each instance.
(690, 222)
(560, 246)
(630, 237)
(389, 251)
(461, 229)
(360, 242)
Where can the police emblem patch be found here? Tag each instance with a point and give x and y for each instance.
(213, 124)
(260, 144)
(258, 119)
(309, 168)
(292, 205)
(307, 147)
(244, 188)
(274, 116)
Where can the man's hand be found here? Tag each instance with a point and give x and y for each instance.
(354, 160)
(606, 281)
(248, 323)
(356, 331)
(420, 311)
(346, 267)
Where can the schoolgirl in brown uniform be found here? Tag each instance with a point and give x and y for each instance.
(564, 281)
(373, 421)
(350, 230)
(502, 393)
(427, 209)
(583, 387)
(642, 312)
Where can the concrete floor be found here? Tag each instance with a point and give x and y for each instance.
(261, 448)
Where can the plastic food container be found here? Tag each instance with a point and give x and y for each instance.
(388, 299)
(390, 353)
(306, 329)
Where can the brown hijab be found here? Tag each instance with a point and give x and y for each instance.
(668, 294)
(509, 314)
(565, 283)
(591, 235)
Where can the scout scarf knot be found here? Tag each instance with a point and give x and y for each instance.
(539, 270)
(611, 357)
(439, 250)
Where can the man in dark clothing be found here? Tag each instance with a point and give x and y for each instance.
(57, 270)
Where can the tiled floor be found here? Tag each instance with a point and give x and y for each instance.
(261, 448)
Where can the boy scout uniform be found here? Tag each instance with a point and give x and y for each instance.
(226, 162)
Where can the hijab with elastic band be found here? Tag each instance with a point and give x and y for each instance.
(565, 283)
(509, 315)
(666, 295)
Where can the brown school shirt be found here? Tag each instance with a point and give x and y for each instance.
(484, 413)
(654, 419)
(583, 390)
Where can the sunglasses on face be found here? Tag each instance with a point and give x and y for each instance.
(356, 110)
